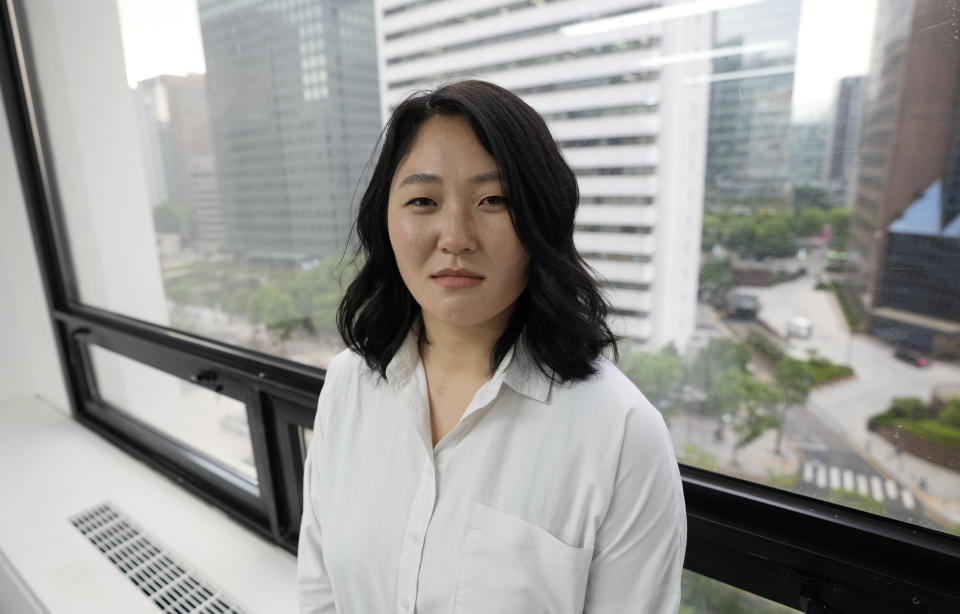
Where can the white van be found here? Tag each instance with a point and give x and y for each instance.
(799, 327)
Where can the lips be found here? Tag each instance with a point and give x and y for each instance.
(457, 273)
(457, 278)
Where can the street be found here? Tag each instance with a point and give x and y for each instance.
(827, 449)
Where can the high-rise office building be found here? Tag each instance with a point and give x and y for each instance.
(908, 128)
(175, 140)
(623, 89)
(751, 93)
(152, 124)
(844, 141)
(808, 149)
(293, 95)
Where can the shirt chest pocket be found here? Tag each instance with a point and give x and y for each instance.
(508, 565)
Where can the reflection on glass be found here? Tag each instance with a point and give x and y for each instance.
(703, 595)
(305, 435)
(208, 422)
(769, 197)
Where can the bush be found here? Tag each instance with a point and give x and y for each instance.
(694, 456)
(950, 414)
(852, 498)
(784, 482)
(909, 408)
(934, 432)
(911, 415)
(764, 345)
(822, 371)
(851, 309)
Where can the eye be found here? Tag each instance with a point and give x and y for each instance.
(494, 201)
(421, 202)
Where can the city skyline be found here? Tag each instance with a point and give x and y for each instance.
(833, 43)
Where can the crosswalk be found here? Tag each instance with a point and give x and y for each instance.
(823, 476)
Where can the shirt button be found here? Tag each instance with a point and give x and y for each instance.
(414, 538)
(405, 604)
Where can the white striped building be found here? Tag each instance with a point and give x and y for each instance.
(624, 86)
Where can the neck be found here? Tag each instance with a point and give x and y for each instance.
(461, 349)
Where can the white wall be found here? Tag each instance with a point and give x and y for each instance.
(29, 366)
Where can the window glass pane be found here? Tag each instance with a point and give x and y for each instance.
(769, 197)
(703, 595)
(207, 155)
(306, 435)
(208, 422)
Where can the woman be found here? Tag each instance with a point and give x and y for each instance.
(473, 451)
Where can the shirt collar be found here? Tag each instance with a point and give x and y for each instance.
(517, 369)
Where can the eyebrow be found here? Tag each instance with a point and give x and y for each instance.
(418, 178)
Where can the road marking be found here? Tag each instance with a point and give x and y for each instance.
(822, 476)
(908, 500)
(834, 477)
(808, 472)
(876, 487)
(847, 479)
(891, 488)
(862, 485)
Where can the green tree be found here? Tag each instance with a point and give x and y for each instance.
(810, 222)
(742, 235)
(178, 291)
(715, 230)
(716, 276)
(794, 383)
(176, 219)
(760, 410)
(323, 311)
(839, 220)
(806, 197)
(659, 376)
(725, 392)
(165, 219)
(773, 238)
(716, 357)
(239, 301)
(280, 312)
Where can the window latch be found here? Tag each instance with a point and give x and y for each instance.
(208, 378)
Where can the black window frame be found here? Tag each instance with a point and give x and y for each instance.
(793, 549)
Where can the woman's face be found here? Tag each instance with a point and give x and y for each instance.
(450, 230)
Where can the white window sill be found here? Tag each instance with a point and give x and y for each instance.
(53, 468)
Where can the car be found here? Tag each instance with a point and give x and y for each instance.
(742, 306)
(913, 356)
(799, 327)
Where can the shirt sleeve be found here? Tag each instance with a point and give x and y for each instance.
(640, 544)
(315, 593)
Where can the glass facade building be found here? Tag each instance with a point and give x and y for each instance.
(293, 97)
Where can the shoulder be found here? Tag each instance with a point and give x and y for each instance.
(343, 365)
(609, 396)
(341, 384)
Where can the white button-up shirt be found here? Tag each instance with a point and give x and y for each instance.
(544, 498)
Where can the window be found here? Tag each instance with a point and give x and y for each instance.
(778, 242)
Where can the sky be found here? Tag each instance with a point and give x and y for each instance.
(833, 42)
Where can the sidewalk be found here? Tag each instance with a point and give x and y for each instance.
(942, 493)
(846, 406)
(756, 461)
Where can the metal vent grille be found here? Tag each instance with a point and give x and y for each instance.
(170, 584)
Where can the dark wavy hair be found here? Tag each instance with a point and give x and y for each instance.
(560, 317)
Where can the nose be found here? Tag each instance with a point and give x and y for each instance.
(458, 231)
